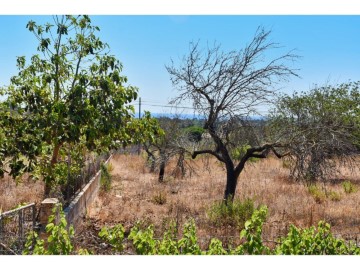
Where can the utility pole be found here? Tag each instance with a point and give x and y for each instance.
(139, 146)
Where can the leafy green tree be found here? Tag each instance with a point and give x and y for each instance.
(318, 129)
(69, 98)
(194, 133)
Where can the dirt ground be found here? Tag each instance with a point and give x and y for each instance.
(137, 195)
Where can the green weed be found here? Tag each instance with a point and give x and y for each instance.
(349, 187)
(334, 196)
(105, 179)
(318, 194)
(231, 213)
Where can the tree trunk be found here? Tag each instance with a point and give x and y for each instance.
(47, 187)
(47, 190)
(312, 169)
(162, 171)
(231, 182)
(151, 161)
(152, 164)
(150, 158)
(180, 164)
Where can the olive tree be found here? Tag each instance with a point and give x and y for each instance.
(226, 88)
(319, 129)
(69, 98)
(175, 142)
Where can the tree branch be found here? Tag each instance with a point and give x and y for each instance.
(195, 153)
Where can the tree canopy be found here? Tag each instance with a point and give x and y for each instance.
(318, 129)
(70, 97)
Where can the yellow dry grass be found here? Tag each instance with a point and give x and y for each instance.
(137, 195)
(134, 192)
(25, 191)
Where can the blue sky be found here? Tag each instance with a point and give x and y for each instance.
(329, 46)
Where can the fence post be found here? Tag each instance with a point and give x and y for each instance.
(21, 217)
(33, 217)
(46, 208)
(1, 227)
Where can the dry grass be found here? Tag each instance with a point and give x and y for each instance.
(134, 192)
(26, 191)
(137, 195)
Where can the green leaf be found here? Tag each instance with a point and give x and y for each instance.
(247, 224)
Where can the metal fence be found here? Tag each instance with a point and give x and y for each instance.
(75, 183)
(14, 225)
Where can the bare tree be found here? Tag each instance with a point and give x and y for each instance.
(227, 88)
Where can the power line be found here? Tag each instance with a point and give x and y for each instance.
(151, 104)
(169, 106)
(158, 105)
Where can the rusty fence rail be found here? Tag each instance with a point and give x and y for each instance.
(14, 225)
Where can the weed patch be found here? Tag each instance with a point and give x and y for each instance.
(317, 193)
(159, 198)
(349, 187)
(231, 213)
(105, 179)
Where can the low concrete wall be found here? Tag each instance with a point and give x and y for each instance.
(78, 207)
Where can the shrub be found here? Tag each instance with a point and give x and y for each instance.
(188, 244)
(334, 196)
(314, 241)
(318, 195)
(349, 187)
(143, 240)
(169, 243)
(105, 179)
(308, 241)
(114, 236)
(59, 240)
(159, 198)
(252, 234)
(216, 248)
(194, 133)
(231, 213)
(110, 167)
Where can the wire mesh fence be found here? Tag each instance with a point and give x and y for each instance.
(75, 183)
(14, 225)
